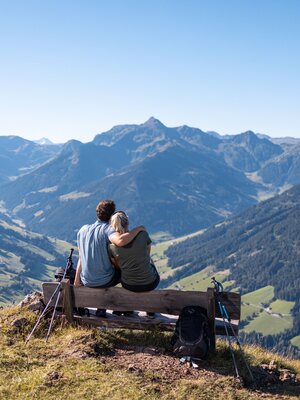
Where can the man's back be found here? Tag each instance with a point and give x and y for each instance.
(93, 242)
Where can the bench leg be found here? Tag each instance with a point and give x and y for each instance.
(211, 318)
(67, 300)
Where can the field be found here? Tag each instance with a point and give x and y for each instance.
(260, 296)
(267, 316)
(269, 324)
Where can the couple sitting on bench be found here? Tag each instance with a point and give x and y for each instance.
(110, 254)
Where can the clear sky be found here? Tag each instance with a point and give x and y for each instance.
(75, 68)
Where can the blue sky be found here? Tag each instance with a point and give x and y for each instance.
(72, 69)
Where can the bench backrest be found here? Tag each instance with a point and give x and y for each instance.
(160, 301)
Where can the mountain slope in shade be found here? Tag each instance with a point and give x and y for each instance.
(260, 246)
(174, 190)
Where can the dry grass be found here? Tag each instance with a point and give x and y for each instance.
(83, 363)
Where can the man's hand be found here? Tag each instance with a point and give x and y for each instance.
(122, 239)
(77, 280)
(77, 283)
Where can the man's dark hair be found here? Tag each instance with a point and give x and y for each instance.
(105, 210)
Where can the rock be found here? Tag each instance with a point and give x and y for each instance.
(132, 368)
(287, 376)
(33, 301)
(151, 350)
(20, 322)
(82, 355)
(53, 376)
(272, 365)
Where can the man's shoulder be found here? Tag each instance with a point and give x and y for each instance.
(84, 228)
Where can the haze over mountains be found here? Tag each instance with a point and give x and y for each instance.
(175, 180)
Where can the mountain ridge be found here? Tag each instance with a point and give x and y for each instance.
(222, 176)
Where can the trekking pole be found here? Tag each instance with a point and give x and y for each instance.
(69, 262)
(237, 341)
(68, 266)
(218, 288)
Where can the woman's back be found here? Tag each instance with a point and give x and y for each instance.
(134, 261)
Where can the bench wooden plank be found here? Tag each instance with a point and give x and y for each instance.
(162, 322)
(115, 298)
(136, 322)
(232, 302)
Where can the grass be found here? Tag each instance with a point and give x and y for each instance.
(202, 280)
(158, 251)
(248, 310)
(52, 370)
(260, 296)
(273, 319)
(282, 306)
(296, 341)
(269, 324)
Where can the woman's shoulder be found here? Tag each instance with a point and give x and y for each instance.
(144, 235)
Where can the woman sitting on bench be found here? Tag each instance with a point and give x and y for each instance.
(138, 272)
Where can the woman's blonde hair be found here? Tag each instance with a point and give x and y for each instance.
(119, 221)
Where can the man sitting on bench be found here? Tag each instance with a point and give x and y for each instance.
(94, 268)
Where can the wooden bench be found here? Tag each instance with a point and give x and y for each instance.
(168, 303)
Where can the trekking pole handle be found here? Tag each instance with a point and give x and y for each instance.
(218, 285)
(69, 263)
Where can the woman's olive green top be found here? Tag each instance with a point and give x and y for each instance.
(134, 261)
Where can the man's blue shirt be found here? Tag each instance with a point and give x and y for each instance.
(92, 240)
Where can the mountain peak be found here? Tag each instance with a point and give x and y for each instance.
(153, 123)
(44, 141)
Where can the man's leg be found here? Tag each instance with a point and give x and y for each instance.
(101, 312)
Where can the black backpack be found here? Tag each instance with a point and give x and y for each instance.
(191, 336)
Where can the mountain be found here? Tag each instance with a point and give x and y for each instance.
(257, 249)
(166, 178)
(26, 259)
(247, 152)
(283, 169)
(175, 180)
(19, 156)
(44, 141)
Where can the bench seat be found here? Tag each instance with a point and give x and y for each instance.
(167, 304)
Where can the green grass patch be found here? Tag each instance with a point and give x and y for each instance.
(296, 341)
(260, 296)
(248, 310)
(282, 307)
(269, 324)
(202, 280)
